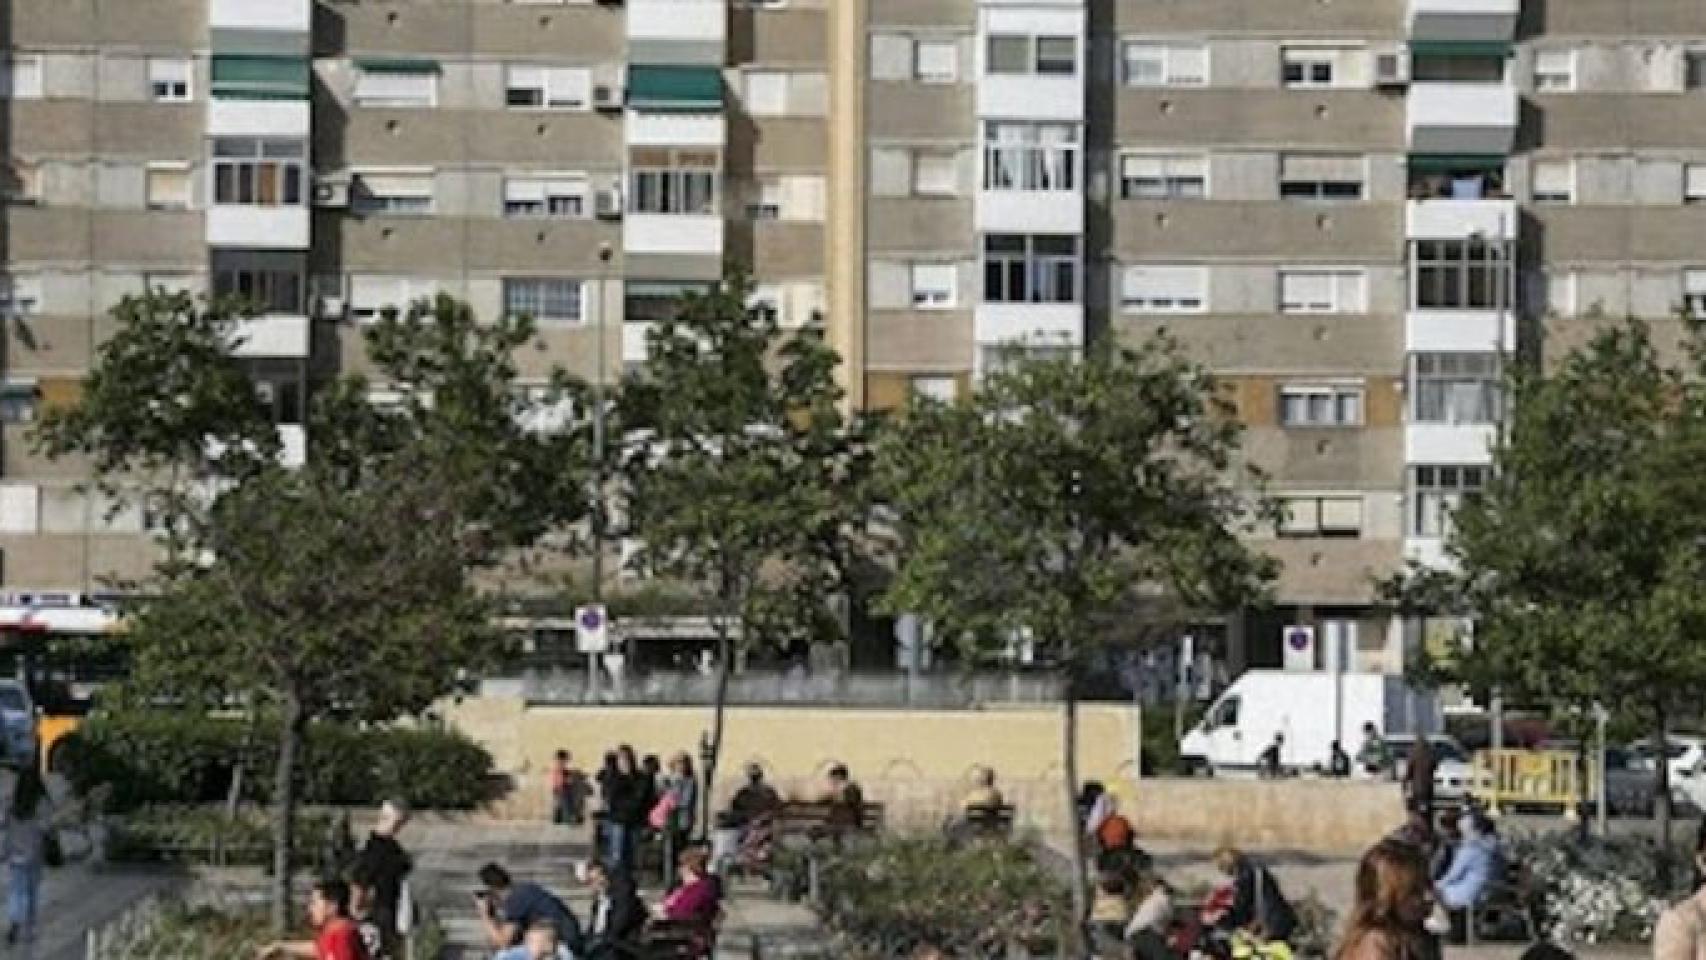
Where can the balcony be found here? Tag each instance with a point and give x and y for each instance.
(1469, 443)
(1030, 211)
(1462, 118)
(258, 228)
(1030, 96)
(258, 118)
(677, 234)
(1463, 21)
(676, 129)
(1030, 324)
(1428, 551)
(678, 31)
(272, 16)
(272, 335)
(1450, 218)
(1459, 331)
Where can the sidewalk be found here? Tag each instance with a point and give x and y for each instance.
(75, 899)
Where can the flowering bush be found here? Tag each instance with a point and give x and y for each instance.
(1594, 891)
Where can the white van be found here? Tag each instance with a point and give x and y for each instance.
(1311, 710)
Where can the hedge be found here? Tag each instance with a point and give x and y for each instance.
(207, 835)
(167, 758)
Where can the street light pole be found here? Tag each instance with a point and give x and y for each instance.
(597, 501)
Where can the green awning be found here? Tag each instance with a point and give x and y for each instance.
(1456, 162)
(675, 88)
(1459, 48)
(260, 78)
(396, 65)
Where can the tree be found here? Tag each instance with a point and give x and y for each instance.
(1579, 562)
(341, 589)
(741, 475)
(1062, 494)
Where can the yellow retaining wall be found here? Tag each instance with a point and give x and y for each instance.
(915, 761)
(1319, 816)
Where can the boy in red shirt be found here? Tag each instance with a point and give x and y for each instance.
(335, 934)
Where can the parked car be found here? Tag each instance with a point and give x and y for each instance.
(1687, 759)
(1454, 773)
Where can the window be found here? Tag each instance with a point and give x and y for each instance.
(765, 201)
(936, 61)
(1459, 275)
(1024, 54)
(1694, 291)
(168, 186)
(20, 296)
(20, 182)
(1150, 176)
(552, 195)
(1164, 289)
(766, 93)
(1157, 65)
(255, 171)
(1320, 516)
(1030, 268)
(1455, 388)
(549, 301)
(934, 285)
(371, 294)
(1694, 70)
(1302, 67)
(1322, 291)
(1322, 176)
(396, 86)
(935, 388)
(1030, 156)
(677, 182)
(268, 291)
(21, 78)
(20, 400)
(552, 88)
(169, 79)
(392, 191)
(1326, 405)
(1554, 181)
(1554, 71)
(20, 508)
(1694, 183)
(1435, 491)
(935, 174)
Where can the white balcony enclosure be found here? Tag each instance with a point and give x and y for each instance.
(1030, 324)
(1031, 92)
(1428, 551)
(683, 31)
(1031, 211)
(272, 335)
(1466, 443)
(258, 228)
(285, 16)
(1451, 219)
(647, 128)
(1464, 21)
(1029, 97)
(692, 235)
(1462, 118)
(1458, 331)
(258, 118)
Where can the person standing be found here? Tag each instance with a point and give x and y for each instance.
(1269, 765)
(335, 934)
(559, 782)
(1419, 777)
(627, 801)
(681, 786)
(1338, 761)
(388, 865)
(1388, 919)
(29, 824)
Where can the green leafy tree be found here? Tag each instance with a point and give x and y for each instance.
(740, 474)
(1062, 497)
(1580, 563)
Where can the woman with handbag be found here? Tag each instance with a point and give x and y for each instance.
(30, 842)
(678, 803)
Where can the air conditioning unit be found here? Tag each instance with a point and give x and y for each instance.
(1392, 67)
(607, 205)
(330, 308)
(331, 193)
(608, 96)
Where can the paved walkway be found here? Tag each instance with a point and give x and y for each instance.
(75, 899)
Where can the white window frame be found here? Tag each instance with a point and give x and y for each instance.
(1316, 515)
(1170, 179)
(1323, 405)
(554, 192)
(419, 199)
(934, 387)
(1550, 76)
(559, 87)
(175, 167)
(171, 79)
(1428, 513)
(1550, 197)
(1175, 61)
(1030, 156)
(577, 319)
(1694, 291)
(21, 77)
(940, 186)
(943, 67)
(403, 291)
(766, 92)
(1174, 296)
(1033, 62)
(1694, 183)
(399, 93)
(1345, 290)
(934, 286)
(1308, 58)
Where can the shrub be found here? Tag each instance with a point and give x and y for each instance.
(206, 835)
(1602, 890)
(166, 758)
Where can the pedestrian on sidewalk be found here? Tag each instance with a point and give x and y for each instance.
(1393, 901)
(388, 865)
(559, 782)
(628, 800)
(29, 826)
(681, 797)
(335, 934)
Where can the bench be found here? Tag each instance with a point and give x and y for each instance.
(996, 821)
(663, 940)
(811, 818)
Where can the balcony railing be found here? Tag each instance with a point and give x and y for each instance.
(785, 688)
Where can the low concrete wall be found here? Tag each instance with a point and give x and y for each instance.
(1319, 816)
(915, 761)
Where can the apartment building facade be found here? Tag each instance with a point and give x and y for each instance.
(1354, 212)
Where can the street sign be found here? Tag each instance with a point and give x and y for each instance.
(592, 629)
(1299, 647)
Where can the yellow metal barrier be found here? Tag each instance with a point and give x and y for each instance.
(1537, 778)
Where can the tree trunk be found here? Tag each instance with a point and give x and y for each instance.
(1661, 801)
(291, 728)
(719, 708)
(1075, 931)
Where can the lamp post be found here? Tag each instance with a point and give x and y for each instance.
(597, 500)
